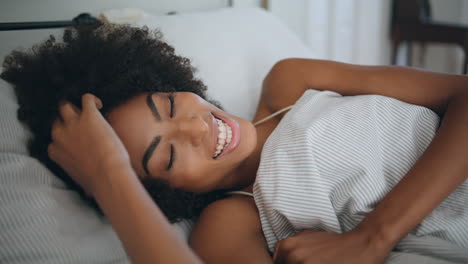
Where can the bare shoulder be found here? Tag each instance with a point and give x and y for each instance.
(283, 85)
(232, 206)
(234, 213)
(229, 231)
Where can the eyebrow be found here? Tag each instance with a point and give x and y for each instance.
(152, 106)
(150, 150)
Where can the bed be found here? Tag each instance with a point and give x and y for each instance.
(41, 220)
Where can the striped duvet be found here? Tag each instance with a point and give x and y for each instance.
(332, 159)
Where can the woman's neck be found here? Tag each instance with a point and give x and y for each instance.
(244, 176)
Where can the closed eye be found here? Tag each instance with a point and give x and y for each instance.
(171, 115)
(171, 100)
(171, 158)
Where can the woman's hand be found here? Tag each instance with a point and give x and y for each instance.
(85, 145)
(324, 247)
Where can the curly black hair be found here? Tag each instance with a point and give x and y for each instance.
(115, 63)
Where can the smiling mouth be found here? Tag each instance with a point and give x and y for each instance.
(224, 137)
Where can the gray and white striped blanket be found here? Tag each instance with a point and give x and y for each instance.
(333, 158)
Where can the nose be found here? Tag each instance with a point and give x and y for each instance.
(192, 128)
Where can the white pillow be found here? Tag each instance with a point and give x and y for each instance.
(233, 49)
(42, 221)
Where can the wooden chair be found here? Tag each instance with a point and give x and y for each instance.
(412, 22)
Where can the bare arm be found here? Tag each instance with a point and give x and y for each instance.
(290, 78)
(145, 232)
(438, 172)
(229, 231)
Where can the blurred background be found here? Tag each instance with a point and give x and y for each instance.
(354, 31)
(359, 31)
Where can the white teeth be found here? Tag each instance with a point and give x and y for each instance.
(222, 128)
(224, 137)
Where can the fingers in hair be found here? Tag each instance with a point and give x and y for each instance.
(68, 111)
(90, 102)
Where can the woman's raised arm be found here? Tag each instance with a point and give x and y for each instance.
(289, 78)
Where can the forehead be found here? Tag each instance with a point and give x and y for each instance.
(130, 113)
(134, 125)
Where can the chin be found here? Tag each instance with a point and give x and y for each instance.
(249, 138)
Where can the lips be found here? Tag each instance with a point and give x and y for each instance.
(235, 138)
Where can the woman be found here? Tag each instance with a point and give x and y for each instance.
(124, 95)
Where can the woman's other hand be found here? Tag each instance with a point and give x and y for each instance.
(85, 145)
(309, 247)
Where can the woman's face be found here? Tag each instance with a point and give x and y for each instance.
(183, 140)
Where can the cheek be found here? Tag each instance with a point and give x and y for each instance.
(190, 178)
(198, 177)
